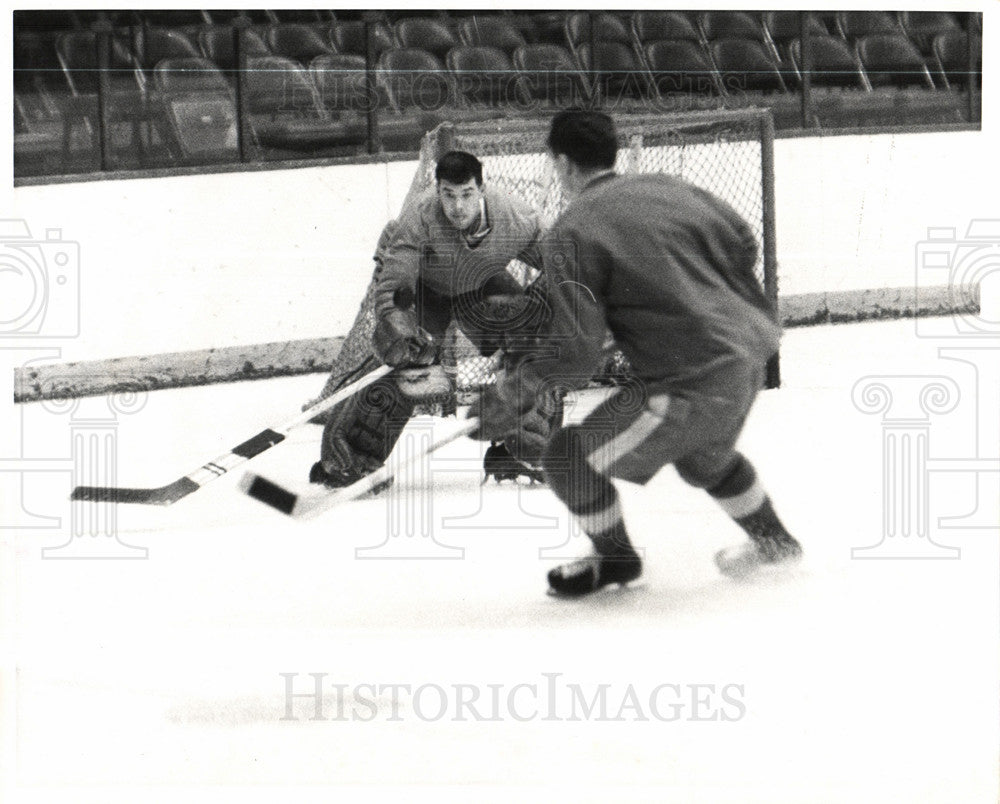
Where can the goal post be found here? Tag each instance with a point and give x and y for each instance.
(728, 153)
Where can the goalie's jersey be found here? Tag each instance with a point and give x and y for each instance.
(424, 244)
(669, 269)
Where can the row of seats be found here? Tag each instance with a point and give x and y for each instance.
(479, 73)
(305, 82)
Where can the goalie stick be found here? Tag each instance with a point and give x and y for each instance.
(308, 506)
(252, 447)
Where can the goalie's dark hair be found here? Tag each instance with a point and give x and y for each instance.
(589, 139)
(457, 167)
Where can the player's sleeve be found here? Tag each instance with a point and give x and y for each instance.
(567, 348)
(401, 256)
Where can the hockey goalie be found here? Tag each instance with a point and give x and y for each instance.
(450, 259)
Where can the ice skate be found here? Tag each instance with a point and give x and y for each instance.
(586, 575)
(761, 554)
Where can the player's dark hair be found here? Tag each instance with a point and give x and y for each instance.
(589, 139)
(457, 167)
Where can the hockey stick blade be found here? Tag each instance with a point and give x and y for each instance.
(164, 495)
(214, 469)
(308, 506)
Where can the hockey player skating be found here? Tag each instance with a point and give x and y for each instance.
(445, 259)
(668, 268)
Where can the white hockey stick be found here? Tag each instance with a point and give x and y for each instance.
(308, 506)
(241, 453)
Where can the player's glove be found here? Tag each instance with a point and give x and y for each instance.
(399, 341)
(501, 406)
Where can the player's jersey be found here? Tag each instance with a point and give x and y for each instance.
(669, 268)
(427, 246)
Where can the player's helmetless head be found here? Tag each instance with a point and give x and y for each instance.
(582, 145)
(460, 188)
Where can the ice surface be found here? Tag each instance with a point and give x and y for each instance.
(160, 679)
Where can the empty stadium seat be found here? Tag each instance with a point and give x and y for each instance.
(200, 107)
(181, 75)
(892, 60)
(923, 26)
(834, 64)
(744, 64)
(77, 54)
(414, 78)
(730, 25)
(217, 45)
(427, 34)
(607, 28)
(153, 45)
(681, 66)
(286, 113)
(655, 26)
(341, 81)
(615, 69)
(782, 27)
(484, 75)
(348, 36)
(491, 32)
(298, 42)
(548, 73)
(853, 25)
(951, 58)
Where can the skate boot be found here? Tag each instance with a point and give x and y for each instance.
(500, 464)
(586, 575)
(771, 546)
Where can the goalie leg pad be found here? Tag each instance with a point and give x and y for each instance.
(361, 432)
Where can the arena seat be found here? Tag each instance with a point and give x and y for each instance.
(77, 55)
(286, 113)
(853, 25)
(657, 26)
(730, 25)
(615, 69)
(746, 65)
(341, 81)
(216, 44)
(951, 59)
(681, 66)
(782, 27)
(415, 78)
(298, 42)
(607, 28)
(427, 34)
(834, 63)
(548, 73)
(490, 32)
(892, 60)
(484, 75)
(922, 27)
(348, 36)
(200, 107)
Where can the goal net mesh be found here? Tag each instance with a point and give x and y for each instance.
(726, 153)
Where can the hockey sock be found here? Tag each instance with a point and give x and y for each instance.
(741, 495)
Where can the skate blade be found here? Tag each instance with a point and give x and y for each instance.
(610, 589)
(757, 572)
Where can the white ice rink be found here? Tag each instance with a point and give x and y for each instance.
(849, 680)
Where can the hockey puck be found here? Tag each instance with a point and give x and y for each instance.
(269, 493)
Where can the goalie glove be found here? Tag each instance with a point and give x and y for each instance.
(399, 341)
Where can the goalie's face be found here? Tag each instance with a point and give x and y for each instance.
(460, 202)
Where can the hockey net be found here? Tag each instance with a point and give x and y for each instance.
(730, 154)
